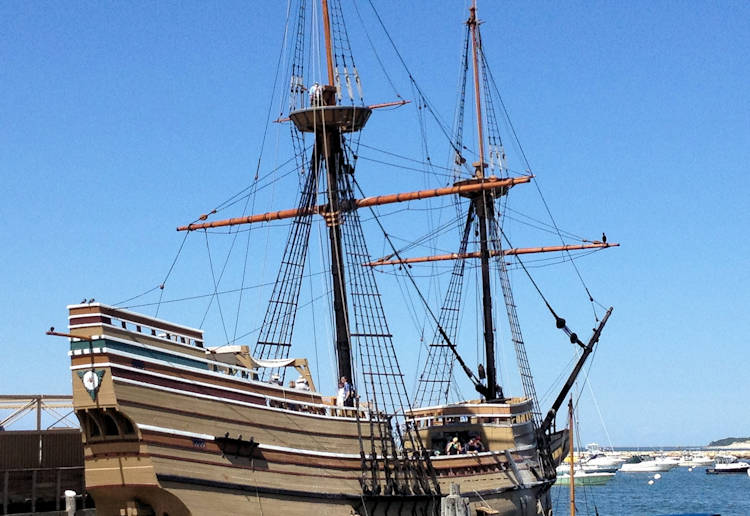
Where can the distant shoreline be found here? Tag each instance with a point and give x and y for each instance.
(727, 443)
(740, 449)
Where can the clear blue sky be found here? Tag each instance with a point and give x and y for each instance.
(120, 121)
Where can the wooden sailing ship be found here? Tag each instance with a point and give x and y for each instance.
(174, 426)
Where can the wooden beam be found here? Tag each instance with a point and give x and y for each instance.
(505, 252)
(490, 183)
(68, 335)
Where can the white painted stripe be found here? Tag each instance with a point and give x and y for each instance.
(270, 447)
(79, 352)
(468, 414)
(205, 437)
(310, 452)
(464, 405)
(318, 453)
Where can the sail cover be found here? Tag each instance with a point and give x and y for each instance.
(231, 351)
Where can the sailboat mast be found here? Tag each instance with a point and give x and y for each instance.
(484, 208)
(572, 461)
(328, 149)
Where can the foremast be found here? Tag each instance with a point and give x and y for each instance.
(442, 350)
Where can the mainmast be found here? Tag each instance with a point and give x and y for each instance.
(484, 207)
(328, 150)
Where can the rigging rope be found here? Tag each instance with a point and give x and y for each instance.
(536, 184)
(559, 321)
(428, 104)
(169, 272)
(375, 52)
(214, 296)
(466, 369)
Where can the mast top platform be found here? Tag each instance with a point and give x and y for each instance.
(346, 119)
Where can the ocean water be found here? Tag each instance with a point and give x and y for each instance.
(677, 491)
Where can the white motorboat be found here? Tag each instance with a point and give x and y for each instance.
(728, 464)
(584, 478)
(602, 463)
(667, 459)
(597, 460)
(646, 464)
(690, 460)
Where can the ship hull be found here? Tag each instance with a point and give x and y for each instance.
(183, 495)
(167, 431)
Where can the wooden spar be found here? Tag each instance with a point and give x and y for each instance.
(480, 186)
(487, 184)
(477, 254)
(68, 335)
(572, 462)
(389, 104)
(472, 22)
(587, 349)
(329, 51)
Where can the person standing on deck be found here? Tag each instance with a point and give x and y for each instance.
(341, 396)
(301, 384)
(348, 392)
(345, 396)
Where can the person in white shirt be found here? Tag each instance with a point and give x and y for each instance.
(301, 384)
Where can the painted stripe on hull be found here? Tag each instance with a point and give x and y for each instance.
(458, 467)
(143, 350)
(355, 498)
(227, 400)
(189, 387)
(226, 382)
(125, 402)
(334, 496)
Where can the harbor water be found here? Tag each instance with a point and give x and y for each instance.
(677, 491)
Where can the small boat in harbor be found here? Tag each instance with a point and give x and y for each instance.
(584, 478)
(728, 464)
(598, 460)
(668, 459)
(646, 464)
(581, 476)
(690, 460)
